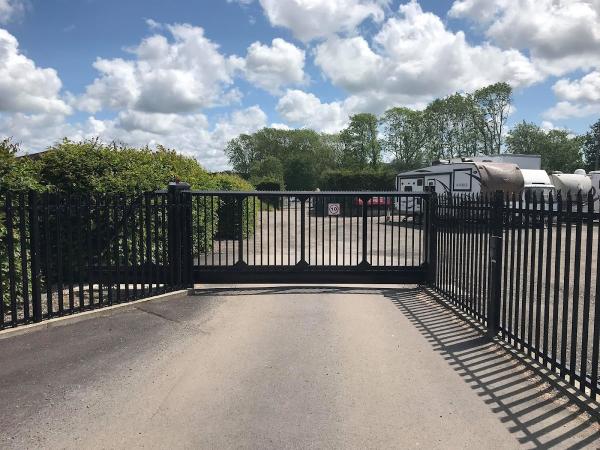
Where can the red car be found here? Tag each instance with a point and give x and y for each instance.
(375, 201)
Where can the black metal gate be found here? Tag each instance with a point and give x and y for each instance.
(66, 253)
(307, 237)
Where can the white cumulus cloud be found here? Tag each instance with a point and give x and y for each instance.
(586, 89)
(415, 58)
(271, 67)
(190, 134)
(11, 10)
(182, 75)
(576, 98)
(24, 87)
(304, 109)
(311, 19)
(560, 35)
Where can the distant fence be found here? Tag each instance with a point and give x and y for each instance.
(528, 269)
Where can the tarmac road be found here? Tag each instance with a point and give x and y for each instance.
(278, 368)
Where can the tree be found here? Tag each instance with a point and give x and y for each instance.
(558, 148)
(591, 147)
(452, 127)
(437, 143)
(270, 167)
(493, 103)
(300, 175)
(463, 114)
(361, 146)
(241, 152)
(255, 155)
(404, 136)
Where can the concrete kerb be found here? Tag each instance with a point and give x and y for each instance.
(78, 317)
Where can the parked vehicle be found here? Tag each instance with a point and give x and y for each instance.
(464, 177)
(537, 183)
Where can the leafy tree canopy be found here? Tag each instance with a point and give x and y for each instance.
(559, 149)
(591, 147)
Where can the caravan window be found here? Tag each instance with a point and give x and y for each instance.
(407, 188)
(420, 182)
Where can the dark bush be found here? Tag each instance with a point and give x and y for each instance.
(358, 180)
(269, 184)
(228, 209)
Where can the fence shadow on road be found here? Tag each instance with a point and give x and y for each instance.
(540, 412)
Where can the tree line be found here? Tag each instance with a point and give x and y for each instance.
(460, 125)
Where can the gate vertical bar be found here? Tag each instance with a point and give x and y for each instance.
(302, 232)
(177, 217)
(188, 243)
(240, 208)
(365, 199)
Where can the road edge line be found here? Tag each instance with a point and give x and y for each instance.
(78, 317)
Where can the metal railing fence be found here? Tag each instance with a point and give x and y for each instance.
(528, 268)
(61, 254)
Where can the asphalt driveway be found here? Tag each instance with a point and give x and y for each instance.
(279, 368)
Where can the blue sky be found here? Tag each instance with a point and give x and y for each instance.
(192, 75)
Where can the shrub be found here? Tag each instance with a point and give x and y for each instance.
(93, 167)
(269, 184)
(227, 209)
(358, 180)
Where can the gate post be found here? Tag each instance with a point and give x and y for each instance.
(432, 238)
(495, 264)
(34, 237)
(180, 232)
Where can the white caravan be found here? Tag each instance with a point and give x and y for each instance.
(465, 177)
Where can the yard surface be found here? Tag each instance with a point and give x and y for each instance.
(279, 368)
(392, 240)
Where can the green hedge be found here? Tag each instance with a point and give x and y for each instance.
(227, 209)
(269, 184)
(358, 180)
(16, 175)
(93, 168)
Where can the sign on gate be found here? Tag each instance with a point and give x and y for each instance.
(333, 209)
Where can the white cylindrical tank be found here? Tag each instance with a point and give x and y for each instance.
(570, 183)
(594, 177)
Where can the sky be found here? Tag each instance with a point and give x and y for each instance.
(193, 74)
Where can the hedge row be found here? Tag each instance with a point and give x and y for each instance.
(97, 170)
(364, 180)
